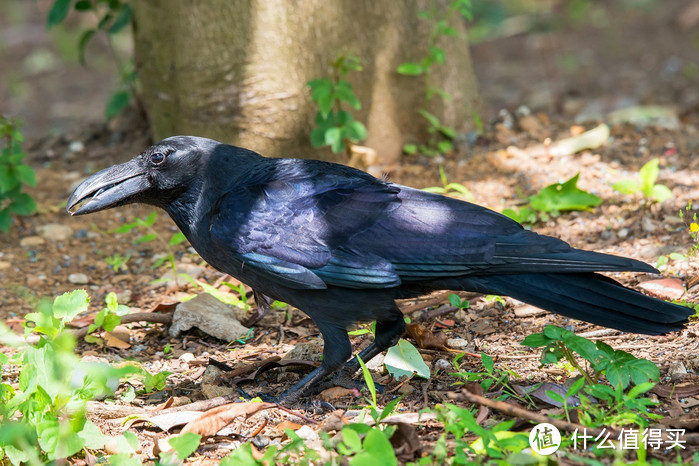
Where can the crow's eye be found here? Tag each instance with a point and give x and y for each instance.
(157, 158)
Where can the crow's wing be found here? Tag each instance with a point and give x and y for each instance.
(342, 227)
(294, 228)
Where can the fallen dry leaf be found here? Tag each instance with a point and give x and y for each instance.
(114, 341)
(426, 338)
(334, 393)
(216, 419)
(665, 288)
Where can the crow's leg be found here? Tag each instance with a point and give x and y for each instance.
(263, 304)
(388, 332)
(337, 349)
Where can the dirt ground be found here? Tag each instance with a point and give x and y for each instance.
(568, 78)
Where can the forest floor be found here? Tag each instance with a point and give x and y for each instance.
(567, 87)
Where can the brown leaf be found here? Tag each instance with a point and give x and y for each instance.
(113, 341)
(334, 393)
(282, 426)
(216, 419)
(426, 338)
(165, 307)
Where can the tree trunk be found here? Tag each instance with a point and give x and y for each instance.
(236, 70)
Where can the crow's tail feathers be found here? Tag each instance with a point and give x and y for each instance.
(586, 296)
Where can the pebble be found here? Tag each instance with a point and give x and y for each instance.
(457, 343)
(31, 241)
(186, 357)
(5, 265)
(623, 233)
(55, 232)
(442, 365)
(307, 433)
(677, 371)
(124, 297)
(648, 225)
(78, 279)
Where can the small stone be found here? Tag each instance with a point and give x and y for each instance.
(5, 265)
(677, 371)
(124, 297)
(186, 357)
(442, 365)
(375, 364)
(648, 225)
(76, 146)
(31, 241)
(55, 232)
(307, 433)
(78, 279)
(406, 389)
(623, 233)
(527, 310)
(458, 343)
(209, 315)
(306, 350)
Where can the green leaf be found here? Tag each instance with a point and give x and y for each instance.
(123, 18)
(58, 12)
(185, 444)
(404, 359)
(431, 119)
(535, 340)
(455, 300)
(410, 148)
(351, 440)
(92, 436)
(445, 147)
(559, 197)
(23, 204)
(7, 179)
(344, 92)
(82, 44)
(26, 174)
(68, 305)
(643, 371)
(83, 5)
(410, 69)
(318, 137)
(146, 238)
(376, 450)
(660, 193)
(488, 363)
(356, 131)
(177, 238)
(437, 55)
(333, 138)
(582, 346)
(368, 380)
(117, 103)
(627, 186)
(649, 174)
(150, 220)
(553, 332)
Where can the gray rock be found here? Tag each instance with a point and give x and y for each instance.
(677, 371)
(307, 350)
(209, 315)
(55, 232)
(78, 279)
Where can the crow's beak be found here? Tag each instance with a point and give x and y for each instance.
(111, 187)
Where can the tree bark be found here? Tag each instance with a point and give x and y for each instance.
(236, 70)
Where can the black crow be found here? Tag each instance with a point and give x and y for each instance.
(341, 245)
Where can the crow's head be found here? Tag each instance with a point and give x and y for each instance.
(156, 176)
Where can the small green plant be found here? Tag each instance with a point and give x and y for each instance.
(459, 303)
(335, 127)
(152, 235)
(107, 319)
(42, 418)
(646, 184)
(490, 378)
(618, 367)
(449, 188)
(112, 17)
(440, 135)
(14, 175)
(552, 200)
(117, 262)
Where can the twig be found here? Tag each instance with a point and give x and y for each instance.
(521, 413)
(153, 317)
